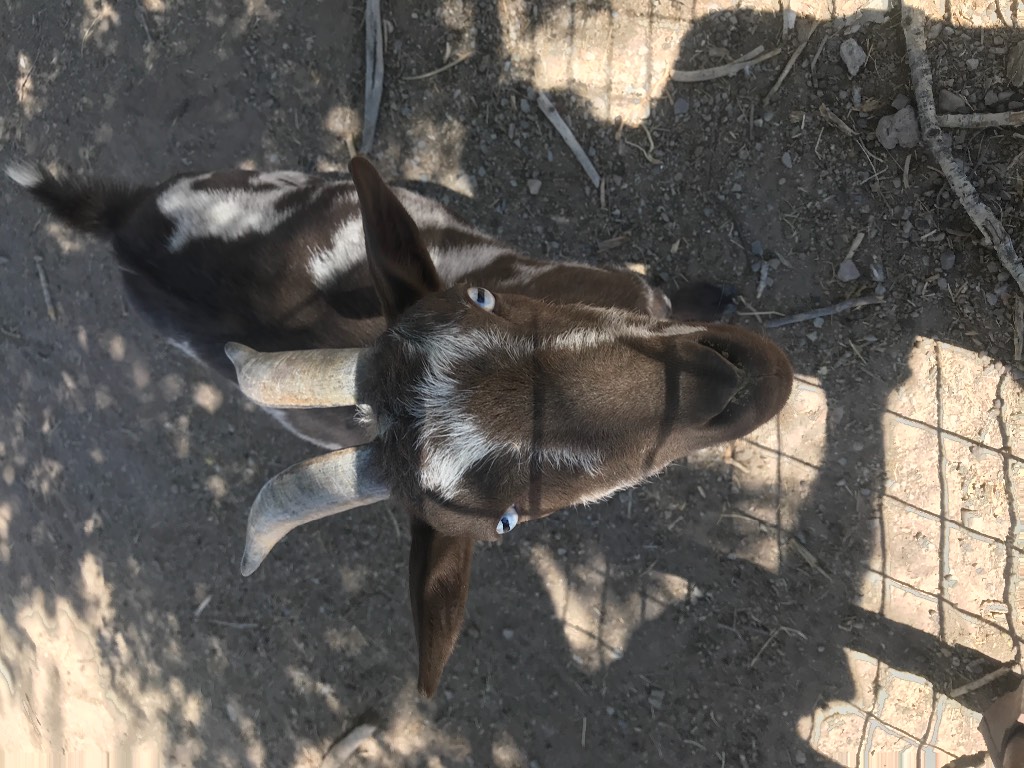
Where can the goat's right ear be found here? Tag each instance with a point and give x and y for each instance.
(400, 264)
(439, 568)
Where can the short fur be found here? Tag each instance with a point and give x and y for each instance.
(575, 384)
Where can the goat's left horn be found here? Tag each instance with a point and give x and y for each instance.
(307, 491)
(311, 378)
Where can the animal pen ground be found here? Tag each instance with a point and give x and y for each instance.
(824, 592)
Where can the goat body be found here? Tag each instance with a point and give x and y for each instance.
(483, 387)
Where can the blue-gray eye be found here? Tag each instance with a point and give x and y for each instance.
(508, 520)
(483, 299)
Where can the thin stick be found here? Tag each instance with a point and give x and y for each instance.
(789, 64)
(374, 90)
(567, 136)
(338, 754)
(724, 70)
(981, 120)
(813, 314)
(583, 734)
(45, 285)
(1018, 329)
(817, 53)
(233, 624)
(764, 647)
(854, 246)
(836, 120)
(981, 682)
(981, 215)
(439, 70)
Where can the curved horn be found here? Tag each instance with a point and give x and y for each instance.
(307, 491)
(312, 378)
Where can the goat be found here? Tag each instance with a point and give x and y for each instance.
(477, 387)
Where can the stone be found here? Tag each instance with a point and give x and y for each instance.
(950, 102)
(853, 56)
(681, 106)
(900, 101)
(947, 260)
(533, 186)
(847, 271)
(899, 129)
(1015, 65)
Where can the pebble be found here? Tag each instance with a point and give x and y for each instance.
(787, 159)
(847, 271)
(853, 55)
(682, 106)
(973, 64)
(952, 102)
(900, 101)
(898, 129)
(533, 186)
(524, 106)
(508, 634)
(947, 260)
(991, 97)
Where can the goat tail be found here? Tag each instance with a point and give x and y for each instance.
(91, 205)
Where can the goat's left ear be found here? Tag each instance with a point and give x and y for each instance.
(438, 585)
(400, 264)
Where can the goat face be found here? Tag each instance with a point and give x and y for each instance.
(498, 402)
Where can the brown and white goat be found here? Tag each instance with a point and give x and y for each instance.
(477, 387)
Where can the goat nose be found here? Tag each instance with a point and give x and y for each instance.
(712, 382)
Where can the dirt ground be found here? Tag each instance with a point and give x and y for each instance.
(813, 595)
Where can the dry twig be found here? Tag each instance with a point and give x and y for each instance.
(567, 136)
(338, 754)
(813, 314)
(789, 64)
(1018, 330)
(981, 682)
(444, 67)
(724, 70)
(981, 215)
(981, 120)
(374, 90)
(836, 120)
(45, 285)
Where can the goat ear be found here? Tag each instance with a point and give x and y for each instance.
(400, 265)
(438, 585)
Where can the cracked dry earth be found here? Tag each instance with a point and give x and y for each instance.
(817, 594)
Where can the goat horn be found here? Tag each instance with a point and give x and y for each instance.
(307, 491)
(311, 378)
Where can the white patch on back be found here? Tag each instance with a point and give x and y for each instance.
(224, 214)
(347, 249)
(453, 264)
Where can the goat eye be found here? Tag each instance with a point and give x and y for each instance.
(483, 299)
(508, 520)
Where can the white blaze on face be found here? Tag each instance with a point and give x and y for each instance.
(453, 440)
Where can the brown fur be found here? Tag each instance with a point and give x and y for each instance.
(572, 387)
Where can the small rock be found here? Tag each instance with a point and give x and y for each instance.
(524, 106)
(898, 129)
(947, 260)
(847, 271)
(853, 56)
(533, 186)
(900, 101)
(1015, 65)
(508, 634)
(800, 758)
(973, 64)
(787, 159)
(681, 106)
(877, 272)
(952, 102)
(818, 322)
(757, 248)
(991, 97)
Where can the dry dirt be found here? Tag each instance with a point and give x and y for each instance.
(809, 596)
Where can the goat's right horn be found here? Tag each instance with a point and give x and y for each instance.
(311, 378)
(307, 491)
